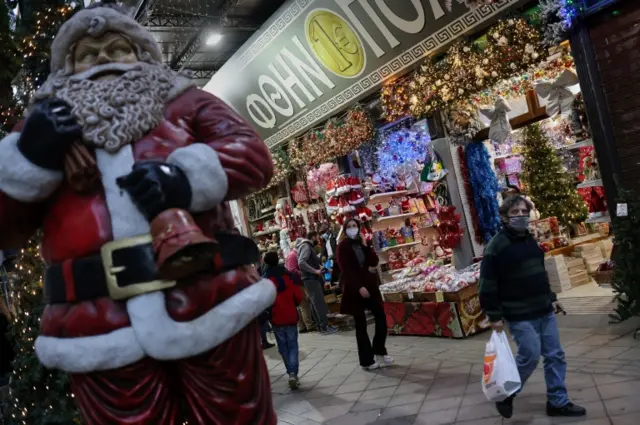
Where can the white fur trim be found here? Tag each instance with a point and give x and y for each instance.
(208, 179)
(163, 338)
(126, 219)
(21, 179)
(90, 353)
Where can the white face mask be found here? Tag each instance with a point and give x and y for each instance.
(352, 232)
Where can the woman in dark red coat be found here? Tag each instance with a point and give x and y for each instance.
(359, 284)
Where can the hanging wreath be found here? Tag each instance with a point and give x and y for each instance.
(462, 124)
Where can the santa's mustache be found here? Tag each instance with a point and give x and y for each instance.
(106, 69)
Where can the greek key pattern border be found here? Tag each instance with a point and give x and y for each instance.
(276, 27)
(412, 55)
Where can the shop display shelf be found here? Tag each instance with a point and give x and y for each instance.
(384, 195)
(391, 217)
(271, 214)
(266, 232)
(507, 155)
(590, 183)
(579, 145)
(404, 245)
(603, 219)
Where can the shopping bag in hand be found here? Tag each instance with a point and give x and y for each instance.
(500, 378)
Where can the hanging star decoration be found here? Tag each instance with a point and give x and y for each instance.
(559, 97)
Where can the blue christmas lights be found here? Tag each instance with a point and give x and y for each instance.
(401, 152)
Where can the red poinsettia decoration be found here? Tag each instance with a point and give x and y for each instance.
(449, 230)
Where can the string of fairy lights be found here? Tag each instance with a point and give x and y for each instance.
(34, 53)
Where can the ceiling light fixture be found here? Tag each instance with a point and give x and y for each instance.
(214, 39)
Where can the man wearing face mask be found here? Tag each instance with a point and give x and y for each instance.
(514, 287)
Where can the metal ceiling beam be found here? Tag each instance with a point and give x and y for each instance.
(185, 55)
(181, 59)
(240, 23)
(143, 10)
(182, 21)
(200, 74)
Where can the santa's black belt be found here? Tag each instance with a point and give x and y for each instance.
(127, 268)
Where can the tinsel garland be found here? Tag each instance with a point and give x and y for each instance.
(469, 195)
(485, 187)
(510, 47)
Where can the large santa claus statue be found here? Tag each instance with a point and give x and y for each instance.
(139, 350)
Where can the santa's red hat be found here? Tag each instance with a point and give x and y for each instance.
(94, 21)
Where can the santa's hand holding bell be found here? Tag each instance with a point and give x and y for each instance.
(117, 147)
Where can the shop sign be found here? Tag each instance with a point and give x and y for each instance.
(316, 57)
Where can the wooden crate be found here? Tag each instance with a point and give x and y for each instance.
(572, 262)
(424, 297)
(463, 294)
(394, 297)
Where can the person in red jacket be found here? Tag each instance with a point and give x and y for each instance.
(359, 284)
(284, 314)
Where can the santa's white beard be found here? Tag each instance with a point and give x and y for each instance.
(114, 112)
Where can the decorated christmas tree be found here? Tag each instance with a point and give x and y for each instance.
(626, 258)
(37, 396)
(551, 187)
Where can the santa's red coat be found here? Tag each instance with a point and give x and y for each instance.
(113, 336)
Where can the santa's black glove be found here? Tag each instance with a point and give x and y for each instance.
(47, 134)
(157, 186)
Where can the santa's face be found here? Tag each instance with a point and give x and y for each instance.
(115, 95)
(109, 48)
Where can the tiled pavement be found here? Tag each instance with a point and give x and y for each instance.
(437, 382)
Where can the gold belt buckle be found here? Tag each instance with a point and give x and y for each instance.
(111, 271)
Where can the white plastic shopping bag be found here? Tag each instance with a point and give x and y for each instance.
(500, 378)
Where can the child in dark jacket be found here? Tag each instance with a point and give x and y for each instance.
(284, 314)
